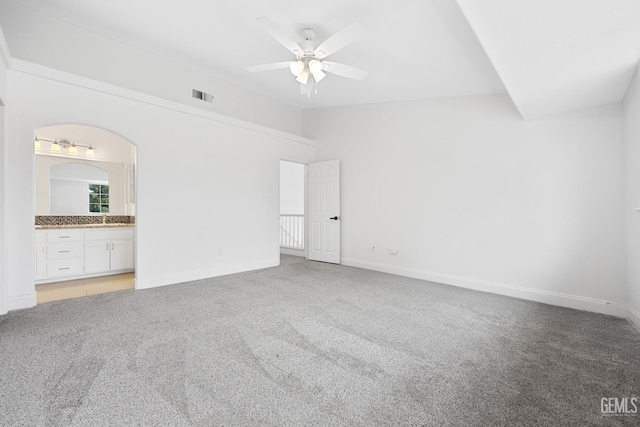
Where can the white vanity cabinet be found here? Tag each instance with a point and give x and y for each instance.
(70, 254)
(108, 250)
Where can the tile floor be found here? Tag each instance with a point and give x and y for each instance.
(83, 287)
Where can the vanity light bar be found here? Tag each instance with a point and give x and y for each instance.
(57, 145)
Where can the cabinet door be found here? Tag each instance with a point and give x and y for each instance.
(41, 266)
(96, 257)
(122, 255)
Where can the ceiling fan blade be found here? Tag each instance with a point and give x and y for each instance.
(339, 40)
(269, 67)
(344, 70)
(283, 38)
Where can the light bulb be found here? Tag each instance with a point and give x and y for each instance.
(90, 152)
(296, 68)
(303, 77)
(36, 145)
(319, 76)
(315, 66)
(73, 150)
(55, 147)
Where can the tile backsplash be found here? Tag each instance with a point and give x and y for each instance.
(84, 219)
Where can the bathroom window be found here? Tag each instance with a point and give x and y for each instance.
(98, 198)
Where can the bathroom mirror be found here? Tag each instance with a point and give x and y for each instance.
(79, 187)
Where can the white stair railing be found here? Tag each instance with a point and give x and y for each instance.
(292, 231)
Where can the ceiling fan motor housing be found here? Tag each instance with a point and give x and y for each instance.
(309, 33)
(307, 45)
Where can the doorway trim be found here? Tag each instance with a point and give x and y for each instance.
(306, 207)
(134, 177)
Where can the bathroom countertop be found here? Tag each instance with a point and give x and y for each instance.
(53, 227)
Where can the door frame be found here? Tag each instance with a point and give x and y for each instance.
(305, 252)
(133, 177)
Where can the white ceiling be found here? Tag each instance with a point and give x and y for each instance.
(559, 55)
(412, 49)
(552, 55)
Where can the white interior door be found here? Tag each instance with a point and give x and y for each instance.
(324, 212)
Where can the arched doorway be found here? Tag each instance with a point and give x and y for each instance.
(85, 192)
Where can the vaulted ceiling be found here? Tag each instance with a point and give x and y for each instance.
(551, 56)
(559, 55)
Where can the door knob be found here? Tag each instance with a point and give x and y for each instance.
(335, 218)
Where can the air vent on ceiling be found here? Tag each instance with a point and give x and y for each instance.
(203, 96)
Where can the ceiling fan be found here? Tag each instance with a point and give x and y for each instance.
(309, 66)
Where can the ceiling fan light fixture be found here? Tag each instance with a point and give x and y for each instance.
(315, 66)
(309, 66)
(296, 67)
(319, 76)
(303, 77)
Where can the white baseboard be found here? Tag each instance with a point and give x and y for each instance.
(294, 252)
(547, 297)
(634, 318)
(188, 276)
(22, 302)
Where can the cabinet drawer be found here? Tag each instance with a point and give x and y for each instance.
(64, 236)
(64, 267)
(65, 250)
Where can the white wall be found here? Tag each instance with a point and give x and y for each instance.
(5, 58)
(469, 194)
(56, 44)
(632, 195)
(210, 209)
(292, 188)
(3, 272)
